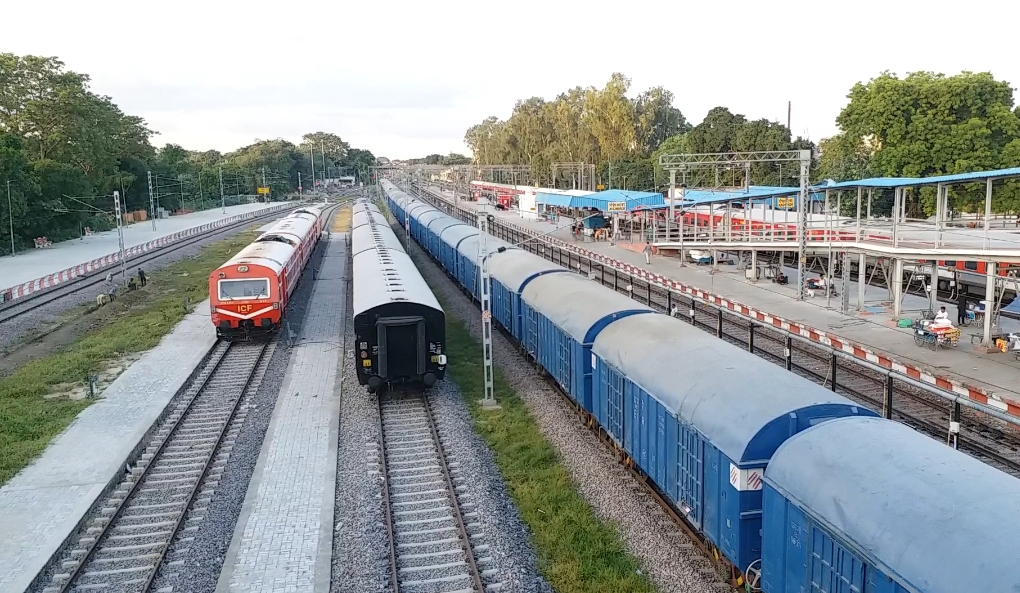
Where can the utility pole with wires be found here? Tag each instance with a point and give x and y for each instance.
(299, 183)
(311, 155)
(322, 150)
(152, 200)
(264, 180)
(120, 233)
(223, 198)
(10, 209)
(489, 399)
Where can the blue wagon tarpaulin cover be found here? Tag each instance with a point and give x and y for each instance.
(514, 267)
(922, 512)
(559, 297)
(714, 387)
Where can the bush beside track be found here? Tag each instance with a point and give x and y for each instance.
(135, 322)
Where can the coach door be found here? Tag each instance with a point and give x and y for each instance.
(402, 347)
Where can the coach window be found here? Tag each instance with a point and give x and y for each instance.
(255, 288)
(970, 265)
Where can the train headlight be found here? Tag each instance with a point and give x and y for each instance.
(441, 359)
(242, 269)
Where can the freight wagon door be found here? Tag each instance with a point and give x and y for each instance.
(402, 347)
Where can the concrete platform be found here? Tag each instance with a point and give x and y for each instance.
(44, 503)
(283, 540)
(992, 379)
(34, 270)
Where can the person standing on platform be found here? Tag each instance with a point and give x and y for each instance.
(961, 306)
(142, 278)
(648, 252)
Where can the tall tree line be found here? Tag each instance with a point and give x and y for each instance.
(64, 150)
(920, 125)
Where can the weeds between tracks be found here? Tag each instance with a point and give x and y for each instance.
(577, 552)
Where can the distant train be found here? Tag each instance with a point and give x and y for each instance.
(800, 489)
(249, 294)
(399, 326)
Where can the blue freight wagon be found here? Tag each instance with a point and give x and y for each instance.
(449, 241)
(702, 418)
(563, 314)
(435, 231)
(511, 271)
(864, 504)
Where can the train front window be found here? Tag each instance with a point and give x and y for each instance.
(257, 288)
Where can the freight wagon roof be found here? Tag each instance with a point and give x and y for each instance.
(383, 276)
(578, 305)
(738, 401)
(514, 267)
(469, 246)
(372, 236)
(940, 520)
(454, 234)
(439, 225)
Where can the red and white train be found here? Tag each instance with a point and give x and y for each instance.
(248, 295)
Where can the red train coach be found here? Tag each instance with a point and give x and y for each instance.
(248, 294)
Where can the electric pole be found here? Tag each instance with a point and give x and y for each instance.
(10, 208)
(322, 149)
(488, 400)
(223, 199)
(264, 180)
(311, 155)
(152, 200)
(299, 182)
(120, 233)
(201, 200)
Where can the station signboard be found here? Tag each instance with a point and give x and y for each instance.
(263, 190)
(616, 207)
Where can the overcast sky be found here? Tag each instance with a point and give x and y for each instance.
(405, 79)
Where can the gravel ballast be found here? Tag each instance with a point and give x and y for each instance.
(204, 555)
(360, 550)
(504, 531)
(665, 551)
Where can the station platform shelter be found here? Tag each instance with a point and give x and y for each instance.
(868, 322)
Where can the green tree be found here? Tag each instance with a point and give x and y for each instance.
(657, 118)
(930, 124)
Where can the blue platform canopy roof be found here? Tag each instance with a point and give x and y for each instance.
(633, 199)
(553, 199)
(924, 513)
(756, 194)
(557, 297)
(716, 388)
(892, 182)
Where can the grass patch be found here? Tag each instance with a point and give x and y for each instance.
(577, 552)
(135, 322)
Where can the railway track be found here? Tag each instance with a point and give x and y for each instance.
(163, 497)
(436, 546)
(980, 435)
(33, 301)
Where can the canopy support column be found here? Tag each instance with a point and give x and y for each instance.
(988, 214)
(858, 236)
(896, 287)
(862, 266)
(989, 297)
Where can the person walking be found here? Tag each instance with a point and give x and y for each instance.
(648, 252)
(142, 278)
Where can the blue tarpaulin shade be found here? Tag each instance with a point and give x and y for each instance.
(634, 200)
